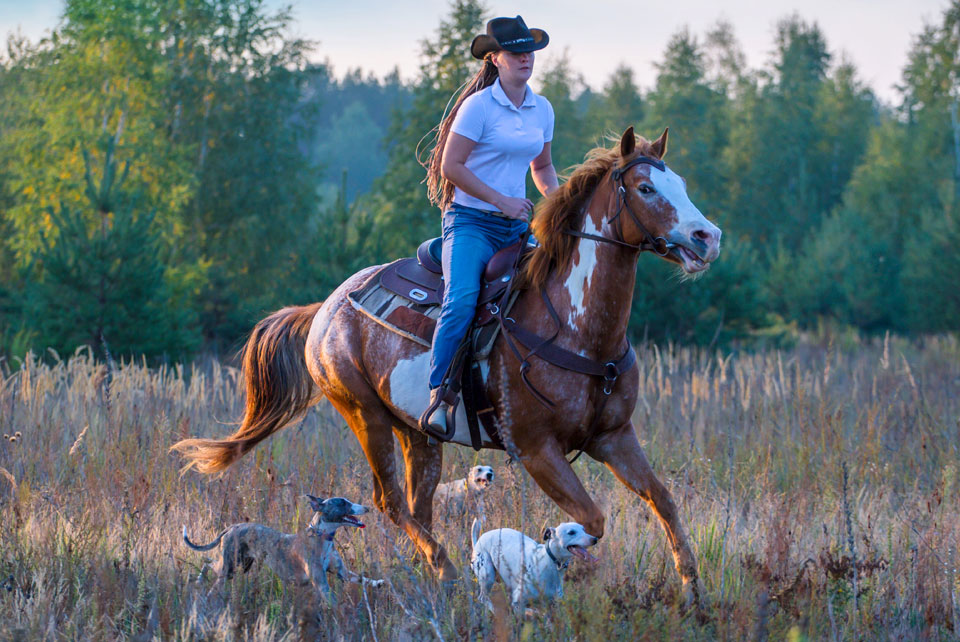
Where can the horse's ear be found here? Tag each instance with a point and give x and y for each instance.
(660, 145)
(628, 142)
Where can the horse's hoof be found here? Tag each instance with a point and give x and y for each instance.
(694, 597)
(691, 596)
(448, 572)
(449, 585)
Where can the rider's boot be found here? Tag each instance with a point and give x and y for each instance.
(436, 420)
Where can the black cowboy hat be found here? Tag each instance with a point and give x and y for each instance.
(510, 34)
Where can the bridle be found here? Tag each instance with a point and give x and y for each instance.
(544, 348)
(658, 245)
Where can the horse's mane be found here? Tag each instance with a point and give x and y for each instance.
(564, 210)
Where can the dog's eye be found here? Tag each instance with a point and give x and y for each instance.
(571, 532)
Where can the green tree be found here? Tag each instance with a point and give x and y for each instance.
(562, 86)
(101, 279)
(206, 105)
(772, 161)
(906, 191)
(238, 105)
(100, 72)
(353, 144)
(725, 303)
(697, 115)
(399, 202)
(620, 104)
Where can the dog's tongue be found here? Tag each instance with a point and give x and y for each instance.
(583, 554)
(356, 522)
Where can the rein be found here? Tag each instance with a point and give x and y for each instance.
(544, 348)
(658, 245)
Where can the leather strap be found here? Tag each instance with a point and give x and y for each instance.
(566, 359)
(560, 565)
(658, 245)
(563, 358)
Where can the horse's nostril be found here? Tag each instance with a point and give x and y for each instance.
(702, 235)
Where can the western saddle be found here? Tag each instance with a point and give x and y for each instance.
(418, 283)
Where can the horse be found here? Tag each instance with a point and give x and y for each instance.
(591, 231)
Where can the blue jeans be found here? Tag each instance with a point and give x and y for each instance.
(470, 238)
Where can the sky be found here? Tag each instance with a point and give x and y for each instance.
(597, 35)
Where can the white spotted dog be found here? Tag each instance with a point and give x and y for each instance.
(467, 491)
(530, 570)
(304, 558)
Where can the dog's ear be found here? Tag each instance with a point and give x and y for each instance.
(548, 534)
(316, 503)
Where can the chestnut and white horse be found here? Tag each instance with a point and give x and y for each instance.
(591, 232)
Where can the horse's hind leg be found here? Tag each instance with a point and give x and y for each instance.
(372, 423)
(622, 454)
(423, 464)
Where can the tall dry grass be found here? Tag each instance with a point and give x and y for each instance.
(753, 446)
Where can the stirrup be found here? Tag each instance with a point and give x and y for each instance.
(440, 397)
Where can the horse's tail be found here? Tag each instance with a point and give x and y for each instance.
(203, 547)
(279, 389)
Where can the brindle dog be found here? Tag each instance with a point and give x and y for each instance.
(304, 558)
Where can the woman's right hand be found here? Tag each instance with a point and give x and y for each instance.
(518, 208)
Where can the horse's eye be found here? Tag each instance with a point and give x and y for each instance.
(645, 189)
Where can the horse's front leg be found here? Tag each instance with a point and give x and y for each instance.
(622, 454)
(549, 468)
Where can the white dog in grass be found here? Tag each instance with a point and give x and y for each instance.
(469, 490)
(530, 570)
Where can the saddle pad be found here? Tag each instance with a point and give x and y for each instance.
(415, 321)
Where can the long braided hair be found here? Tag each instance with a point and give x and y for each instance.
(439, 189)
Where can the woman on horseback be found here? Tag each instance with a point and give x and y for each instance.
(477, 176)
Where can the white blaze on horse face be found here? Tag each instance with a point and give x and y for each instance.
(671, 187)
(581, 272)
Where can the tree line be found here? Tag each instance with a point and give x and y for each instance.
(172, 170)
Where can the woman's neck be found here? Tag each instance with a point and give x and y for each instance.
(514, 91)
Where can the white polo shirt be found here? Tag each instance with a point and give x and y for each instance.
(508, 138)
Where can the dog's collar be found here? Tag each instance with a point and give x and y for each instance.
(323, 536)
(560, 565)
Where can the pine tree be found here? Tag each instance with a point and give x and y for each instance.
(399, 200)
(620, 104)
(102, 277)
(564, 88)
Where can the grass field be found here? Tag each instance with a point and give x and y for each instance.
(819, 486)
